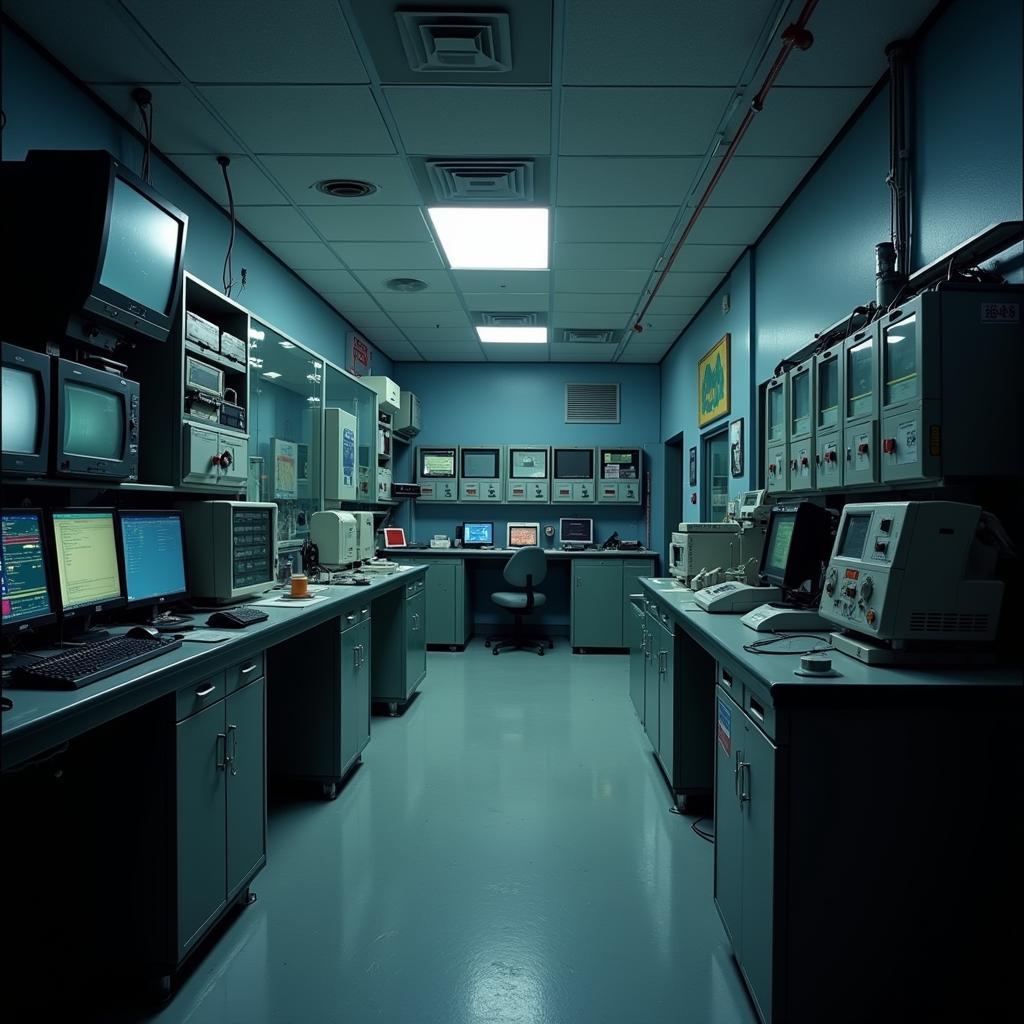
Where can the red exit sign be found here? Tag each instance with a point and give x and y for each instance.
(360, 356)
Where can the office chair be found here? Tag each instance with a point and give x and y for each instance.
(527, 567)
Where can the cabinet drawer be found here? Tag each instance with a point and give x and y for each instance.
(730, 682)
(353, 616)
(760, 712)
(412, 589)
(245, 672)
(196, 696)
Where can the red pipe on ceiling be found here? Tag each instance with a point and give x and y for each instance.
(795, 35)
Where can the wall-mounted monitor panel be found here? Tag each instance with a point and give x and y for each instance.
(776, 434)
(437, 473)
(481, 473)
(620, 474)
(573, 475)
(528, 474)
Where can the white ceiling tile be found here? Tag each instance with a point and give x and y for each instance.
(181, 124)
(708, 257)
(759, 180)
(417, 302)
(676, 305)
(370, 224)
(624, 282)
(299, 174)
(690, 283)
(275, 223)
(352, 303)
(469, 121)
(400, 351)
(437, 281)
(612, 223)
(329, 280)
(437, 319)
(666, 322)
(305, 255)
(366, 318)
(650, 42)
(581, 353)
(585, 320)
(302, 118)
(655, 122)
(517, 353)
(382, 334)
(607, 256)
(253, 42)
(596, 302)
(384, 255)
(426, 337)
(251, 187)
(800, 122)
(467, 355)
(120, 53)
(501, 280)
(642, 354)
(507, 302)
(731, 225)
(625, 181)
(651, 338)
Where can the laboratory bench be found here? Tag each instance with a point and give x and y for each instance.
(868, 835)
(577, 589)
(151, 783)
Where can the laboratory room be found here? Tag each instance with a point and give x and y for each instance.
(512, 512)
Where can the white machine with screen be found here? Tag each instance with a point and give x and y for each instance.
(334, 534)
(913, 579)
(697, 546)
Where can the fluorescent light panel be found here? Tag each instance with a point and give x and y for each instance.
(514, 335)
(487, 238)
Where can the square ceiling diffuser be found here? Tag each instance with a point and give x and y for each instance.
(455, 41)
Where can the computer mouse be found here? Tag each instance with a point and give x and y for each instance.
(143, 632)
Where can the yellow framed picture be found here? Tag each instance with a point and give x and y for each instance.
(713, 383)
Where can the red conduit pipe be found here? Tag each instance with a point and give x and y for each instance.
(795, 35)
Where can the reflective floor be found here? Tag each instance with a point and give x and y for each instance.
(505, 854)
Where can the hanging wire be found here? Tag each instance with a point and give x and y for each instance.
(227, 276)
(144, 101)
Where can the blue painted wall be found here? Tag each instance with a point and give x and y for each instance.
(47, 110)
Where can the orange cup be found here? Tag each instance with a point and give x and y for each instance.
(300, 585)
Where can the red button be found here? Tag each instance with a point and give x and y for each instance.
(889, 445)
(862, 449)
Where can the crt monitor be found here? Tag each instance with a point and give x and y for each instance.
(437, 463)
(85, 553)
(480, 463)
(574, 463)
(797, 544)
(575, 531)
(24, 575)
(103, 250)
(477, 535)
(26, 412)
(528, 463)
(152, 556)
(523, 535)
(394, 537)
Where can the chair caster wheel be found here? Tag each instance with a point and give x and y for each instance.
(487, 643)
(541, 652)
(495, 652)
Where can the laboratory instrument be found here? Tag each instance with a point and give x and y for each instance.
(406, 423)
(802, 469)
(335, 536)
(697, 546)
(528, 476)
(619, 475)
(776, 433)
(389, 394)
(366, 541)
(437, 474)
(828, 420)
(480, 473)
(573, 475)
(735, 597)
(339, 440)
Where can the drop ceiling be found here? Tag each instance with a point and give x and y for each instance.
(609, 113)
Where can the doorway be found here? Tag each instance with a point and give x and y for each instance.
(715, 493)
(673, 503)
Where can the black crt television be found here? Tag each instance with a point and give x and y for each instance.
(796, 548)
(96, 423)
(25, 572)
(26, 411)
(100, 252)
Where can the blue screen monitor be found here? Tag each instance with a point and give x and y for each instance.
(477, 535)
(152, 556)
(23, 572)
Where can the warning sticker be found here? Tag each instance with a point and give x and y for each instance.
(1000, 313)
(725, 727)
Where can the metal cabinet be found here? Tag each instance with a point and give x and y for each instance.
(355, 689)
(637, 653)
(416, 634)
(447, 612)
(600, 600)
(666, 641)
(398, 639)
(744, 843)
(652, 679)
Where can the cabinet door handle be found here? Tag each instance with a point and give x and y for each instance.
(246, 669)
(744, 773)
(736, 774)
(350, 618)
(233, 758)
(207, 691)
(222, 762)
(363, 611)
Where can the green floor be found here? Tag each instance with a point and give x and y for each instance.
(505, 854)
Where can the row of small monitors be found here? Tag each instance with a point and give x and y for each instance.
(75, 562)
(528, 463)
(517, 535)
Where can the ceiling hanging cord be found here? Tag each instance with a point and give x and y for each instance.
(795, 35)
(144, 101)
(227, 277)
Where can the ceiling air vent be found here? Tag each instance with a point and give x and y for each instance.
(572, 336)
(405, 284)
(511, 319)
(345, 188)
(482, 181)
(455, 40)
(591, 403)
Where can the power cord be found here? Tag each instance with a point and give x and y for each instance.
(708, 836)
(227, 274)
(762, 646)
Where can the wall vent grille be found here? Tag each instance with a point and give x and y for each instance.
(948, 622)
(573, 336)
(456, 41)
(481, 181)
(591, 403)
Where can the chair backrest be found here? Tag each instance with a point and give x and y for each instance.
(526, 562)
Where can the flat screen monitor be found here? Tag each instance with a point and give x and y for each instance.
(798, 543)
(26, 411)
(574, 464)
(85, 551)
(437, 463)
(480, 463)
(476, 535)
(523, 535)
(152, 556)
(394, 537)
(528, 463)
(24, 576)
(575, 531)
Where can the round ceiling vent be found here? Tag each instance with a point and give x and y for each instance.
(345, 188)
(406, 284)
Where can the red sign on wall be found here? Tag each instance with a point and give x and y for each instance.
(360, 356)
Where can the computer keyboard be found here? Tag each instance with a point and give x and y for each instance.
(73, 669)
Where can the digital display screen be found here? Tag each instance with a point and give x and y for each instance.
(23, 569)
(22, 407)
(252, 547)
(154, 556)
(576, 531)
(93, 422)
(574, 464)
(86, 558)
(523, 536)
(206, 378)
(439, 464)
(478, 533)
(619, 465)
(779, 540)
(529, 465)
(142, 249)
(478, 465)
(855, 533)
